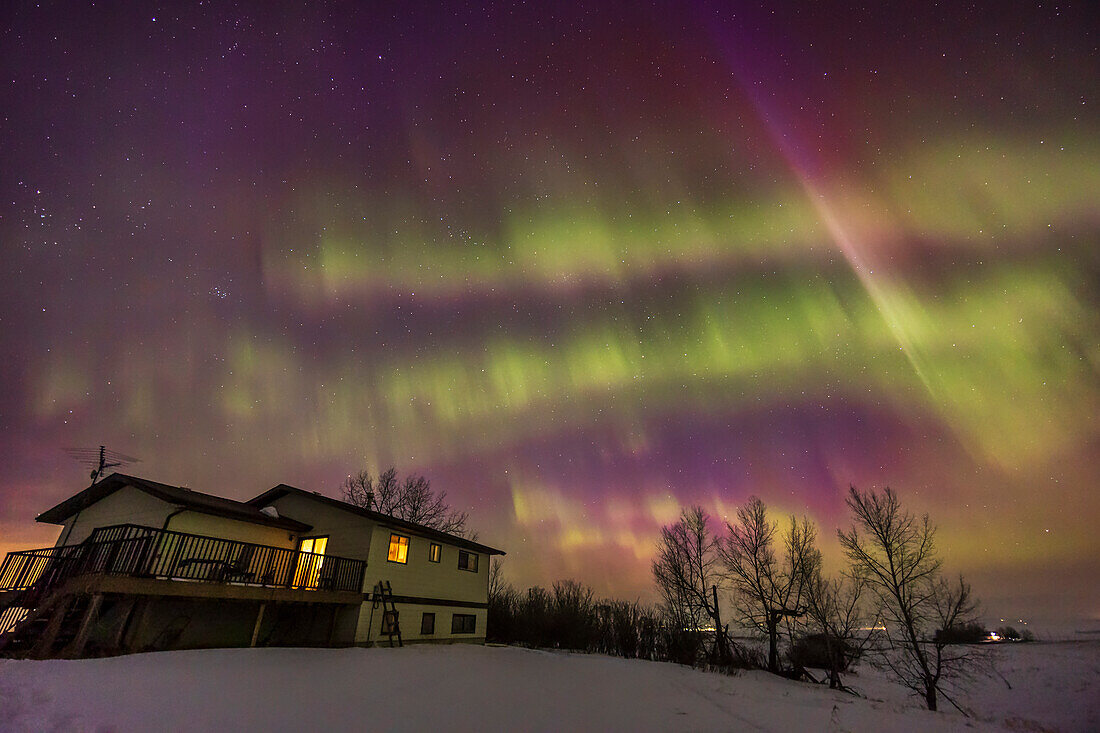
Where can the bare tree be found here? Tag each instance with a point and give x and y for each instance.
(894, 552)
(837, 613)
(769, 588)
(687, 574)
(412, 499)
(498, 586)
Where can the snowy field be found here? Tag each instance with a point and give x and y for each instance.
(1055, 687)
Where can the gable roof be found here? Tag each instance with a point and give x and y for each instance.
(385, 519)
(192, 500)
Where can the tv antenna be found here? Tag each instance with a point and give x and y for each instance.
(100, 460)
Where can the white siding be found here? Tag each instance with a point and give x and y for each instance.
(410, 615)
(125, 506)
(207, 524)
(419, 577)
(349, 535)
(133, 506)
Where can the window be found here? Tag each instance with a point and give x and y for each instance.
(427, 624)
(435, 552)
(312, 556)
(467, 561)
(463, 623)
(399, 549)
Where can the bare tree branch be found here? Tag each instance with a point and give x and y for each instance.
(768, 588)
(687, 575)
(412, 499)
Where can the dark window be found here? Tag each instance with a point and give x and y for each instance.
(427, 624)
(463, 623)
(467, 561)
(435, 552)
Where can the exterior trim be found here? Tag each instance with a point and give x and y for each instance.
(182, 498)
(420, 600)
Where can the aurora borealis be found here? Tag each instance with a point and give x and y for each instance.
(579, 264)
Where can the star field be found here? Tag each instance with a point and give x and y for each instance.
(579, 264)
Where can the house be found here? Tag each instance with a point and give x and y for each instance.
(141, 565)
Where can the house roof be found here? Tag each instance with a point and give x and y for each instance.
(385, 519)
(193, 500)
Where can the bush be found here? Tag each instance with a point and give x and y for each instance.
(813, 650)
(970, 633)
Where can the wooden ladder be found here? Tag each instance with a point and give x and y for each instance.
(383, 594)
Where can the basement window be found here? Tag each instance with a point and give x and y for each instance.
(463, 623)
(399, 549)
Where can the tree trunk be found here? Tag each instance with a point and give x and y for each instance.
(930, 696)
(721, 646)
(773, 643)
(833, 657)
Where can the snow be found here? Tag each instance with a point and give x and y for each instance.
(1055, 686)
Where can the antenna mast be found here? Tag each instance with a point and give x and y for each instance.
(99, 461)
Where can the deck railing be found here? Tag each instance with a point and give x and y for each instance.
(146, 552)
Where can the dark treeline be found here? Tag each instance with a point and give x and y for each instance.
(569, 616)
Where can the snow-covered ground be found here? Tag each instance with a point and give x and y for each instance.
(1055, 686)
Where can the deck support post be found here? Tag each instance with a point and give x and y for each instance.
(259, 621)
(115, 644)
(44, 645)
(77, 647)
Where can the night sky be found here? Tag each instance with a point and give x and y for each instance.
(579, 264)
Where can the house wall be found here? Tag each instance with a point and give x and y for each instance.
(133, 506)
(410, 616)
(354, 536)
(125, 506)
(180, 623)
(208, 524)
(349, 535)
(419, 577)
(425, 581)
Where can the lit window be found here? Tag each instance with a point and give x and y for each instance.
(435, 552)
(467, 561)
(427, 624)
(399, 549)
(463, 623)
(310, 559)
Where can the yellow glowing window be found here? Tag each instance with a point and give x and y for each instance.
(399, 549)
(434, 552)
(309, 563)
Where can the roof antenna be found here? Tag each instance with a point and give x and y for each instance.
(99, 461)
